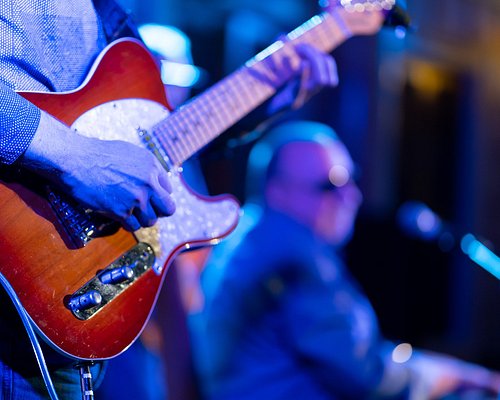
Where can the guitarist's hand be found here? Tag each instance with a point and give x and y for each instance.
(315, 71)
(116, 178)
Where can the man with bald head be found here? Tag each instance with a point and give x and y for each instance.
(310, 182)
(286, 320)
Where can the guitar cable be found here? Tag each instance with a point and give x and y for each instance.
(32, 336)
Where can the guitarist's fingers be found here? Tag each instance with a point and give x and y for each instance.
(303, 92)
(163, 180)
(148, 214)
(162, 203)
(323, 69)
(333, 76)
(131, 223)
(145, 217)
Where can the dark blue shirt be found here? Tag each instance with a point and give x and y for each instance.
(287, 321)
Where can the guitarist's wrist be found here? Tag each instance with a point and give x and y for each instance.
(50, 148)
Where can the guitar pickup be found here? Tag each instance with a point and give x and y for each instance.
(110, 282)
(80, 224)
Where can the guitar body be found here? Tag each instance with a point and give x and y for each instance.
(62, 261)
(122, 96)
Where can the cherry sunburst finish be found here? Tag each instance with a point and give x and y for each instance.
(123, 98)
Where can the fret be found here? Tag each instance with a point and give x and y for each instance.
(226, 98)
(220, 99)
(240, 84)
(212, 109)
(234, 101)
(239, 90)
(160, 139)
(196, 129)
(335, 30)
(234, 112)
(204, 125)
(205, 117)
(260, 89)
(179, 131)
(183, 134)
(205, 114)
(218, 106)
(229, 101)
(200, 129)
(191, 136)
(172, 133)
(247, 89)
(320, 37)
(210, 113)
(160, 132)
(198, 108)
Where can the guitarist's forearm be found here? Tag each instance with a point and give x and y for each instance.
(51, 146)
(101, 174)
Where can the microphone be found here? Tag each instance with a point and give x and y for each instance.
(417, 220)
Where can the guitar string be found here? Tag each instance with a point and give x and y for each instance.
(174, 133)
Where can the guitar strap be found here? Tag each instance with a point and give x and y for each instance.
(115, 21)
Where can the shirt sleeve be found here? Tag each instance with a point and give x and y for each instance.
(19, 121)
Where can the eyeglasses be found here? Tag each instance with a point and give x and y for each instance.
(338, 177)
(325, 187)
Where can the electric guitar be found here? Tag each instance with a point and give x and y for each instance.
(88, 285)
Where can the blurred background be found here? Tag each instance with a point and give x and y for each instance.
(420, 113)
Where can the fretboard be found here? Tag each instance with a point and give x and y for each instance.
(208, 115)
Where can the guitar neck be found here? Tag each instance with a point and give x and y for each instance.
(208, 115)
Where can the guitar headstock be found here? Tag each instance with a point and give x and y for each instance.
(359, 17)
(365, 5)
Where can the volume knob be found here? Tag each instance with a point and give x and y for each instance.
(116, 275)
(85, 301)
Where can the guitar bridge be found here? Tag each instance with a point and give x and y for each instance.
(111, 281)
(80, 224)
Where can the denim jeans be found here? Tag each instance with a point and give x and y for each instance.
(20, 376)
(15, 386)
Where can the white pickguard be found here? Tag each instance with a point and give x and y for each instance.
(196, 218)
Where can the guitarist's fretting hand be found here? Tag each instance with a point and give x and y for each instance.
(116, 178)
(315, 71)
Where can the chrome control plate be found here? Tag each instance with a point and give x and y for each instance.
(139, 259)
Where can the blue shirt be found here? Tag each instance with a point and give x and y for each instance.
(286, 321)
(45, 45)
